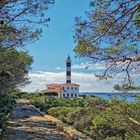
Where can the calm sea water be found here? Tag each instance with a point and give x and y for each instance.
(107, 96)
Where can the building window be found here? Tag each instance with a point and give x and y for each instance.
(68, 95)
(72, 88)
(63, 94)
(71, 95)
(68, 64)
(75, 88)
(75, 95)
(68, 88)
(63, 88)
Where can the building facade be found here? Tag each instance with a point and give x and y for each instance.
(68, 89)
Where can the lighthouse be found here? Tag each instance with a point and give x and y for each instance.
(68, 70)
(67, 89)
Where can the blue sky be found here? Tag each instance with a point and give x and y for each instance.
(50, 52)
(57, 41)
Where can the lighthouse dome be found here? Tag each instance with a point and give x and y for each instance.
(68, 58)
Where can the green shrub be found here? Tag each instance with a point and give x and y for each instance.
(94, 116)
(3, 120)
(38, 101)
(51, 94)
(6, 105)
(60, 112)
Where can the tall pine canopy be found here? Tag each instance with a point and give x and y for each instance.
(110, 33)
(21, 23)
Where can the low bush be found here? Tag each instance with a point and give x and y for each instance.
(94, 116)
(61, 112)
(6, 105)
(3, 120)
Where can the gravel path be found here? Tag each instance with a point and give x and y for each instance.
(27, 124)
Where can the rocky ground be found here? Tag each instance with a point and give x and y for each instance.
(27, 124)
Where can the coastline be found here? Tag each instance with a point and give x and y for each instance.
(130, 97)
(110, 94)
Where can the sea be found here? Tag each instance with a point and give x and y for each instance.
(130, 97)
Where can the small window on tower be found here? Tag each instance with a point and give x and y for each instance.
(68, 88)
(72, 88)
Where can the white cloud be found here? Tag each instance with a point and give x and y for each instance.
(86, 65)
(87, 81)
(89, 65)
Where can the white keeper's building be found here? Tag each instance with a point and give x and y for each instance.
(68, 89)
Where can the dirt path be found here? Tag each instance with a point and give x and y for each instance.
(27, 124)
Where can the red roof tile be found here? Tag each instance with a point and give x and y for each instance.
(70, 84)
(53, 90)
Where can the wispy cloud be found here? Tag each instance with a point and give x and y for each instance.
(88, 82)
(89, 65)
(86, 65)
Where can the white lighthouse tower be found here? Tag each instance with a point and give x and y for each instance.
(68, 70)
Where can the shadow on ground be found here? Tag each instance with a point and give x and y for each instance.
(27, 124)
